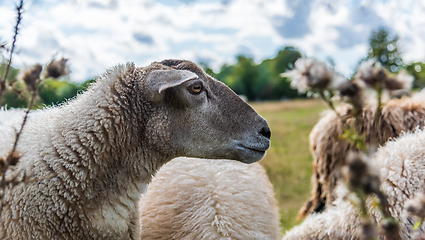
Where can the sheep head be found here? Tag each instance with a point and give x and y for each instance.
(195, 115)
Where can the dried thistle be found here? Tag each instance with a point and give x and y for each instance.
(352, 93)
(403, 80)
(56, 69)
(349, 89)
(390, 229)
(371, 73)
(392, 84)
(416, 205)
(31, 77)
(360, 175)
(3, 163)
(11, 160)
(18, 21)
(14, 158)
(367, 230)
(312, 75)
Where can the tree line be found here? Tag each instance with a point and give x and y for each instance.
(257, 82)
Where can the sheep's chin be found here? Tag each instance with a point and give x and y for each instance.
(250, 153)
(250, 156)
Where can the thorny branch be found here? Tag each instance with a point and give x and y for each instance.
(3, 82)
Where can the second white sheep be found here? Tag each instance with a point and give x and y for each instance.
(207, 199)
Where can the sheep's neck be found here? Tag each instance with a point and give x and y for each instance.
(110, 139)
(110, 163)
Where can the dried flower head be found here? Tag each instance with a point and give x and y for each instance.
(371, 73)
(56, 69)
(403, 80)
(14, 158)
(352, 93)
(360, 174)
(11, 159)
(312, 75)
(31, 76)
(416, 205)
(367, 231)
(392, 84)
(2, 165)
(390, 228)
(349, 89)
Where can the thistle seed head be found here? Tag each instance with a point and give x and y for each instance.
(31, 76)
(56, 69)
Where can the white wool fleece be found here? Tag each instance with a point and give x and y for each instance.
(204, 199)
(402, 166)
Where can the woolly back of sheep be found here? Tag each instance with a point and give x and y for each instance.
(208, 199)
(329, 150)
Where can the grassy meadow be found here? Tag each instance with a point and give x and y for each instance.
(288, 162)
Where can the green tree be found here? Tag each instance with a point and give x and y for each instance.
(283, 62)
(384, 48)
(244, 78)
(51, 91)
(273, 85)
(11, 98)
(263, 81)
(207, 69)
(56, 92)
(225, 71)
(417, 70)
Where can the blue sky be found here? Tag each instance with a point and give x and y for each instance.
(97, 34)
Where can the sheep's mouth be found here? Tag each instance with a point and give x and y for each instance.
(250, 154)
(257, 147)
(262, 150)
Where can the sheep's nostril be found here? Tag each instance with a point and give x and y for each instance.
(265, 131)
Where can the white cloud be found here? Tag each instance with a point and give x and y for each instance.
(97, 34)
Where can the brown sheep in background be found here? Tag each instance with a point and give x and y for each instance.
(329, 150)
(400, 165)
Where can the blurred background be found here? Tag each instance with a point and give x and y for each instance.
(97, 34)
(247, 44)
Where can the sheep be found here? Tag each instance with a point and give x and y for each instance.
(338, 221)
(207, 199)
(91, 158)
(401, 166)
(329, 150)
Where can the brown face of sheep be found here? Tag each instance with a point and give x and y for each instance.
(197, 116)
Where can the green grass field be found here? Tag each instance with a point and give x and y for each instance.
(288, 162)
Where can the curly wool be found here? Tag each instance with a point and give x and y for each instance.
(207, 199)
(402, 166)
(329, 150)
(70, 166)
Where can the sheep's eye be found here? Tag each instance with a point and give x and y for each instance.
(196, 88)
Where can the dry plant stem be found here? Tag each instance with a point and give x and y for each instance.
(378, 114)
(331, 105)
(3, 82)
(383, 204)
(384, 207)
(363, 210)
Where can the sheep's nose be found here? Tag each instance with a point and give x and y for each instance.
(265, 131)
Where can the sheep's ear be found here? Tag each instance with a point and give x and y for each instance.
(159, 80)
